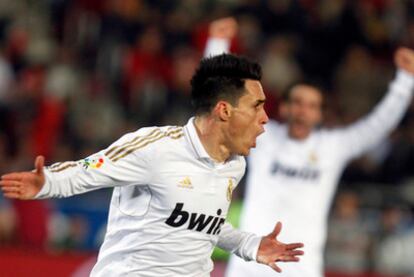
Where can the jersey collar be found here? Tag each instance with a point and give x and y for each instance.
(195, 141)
(197, 146)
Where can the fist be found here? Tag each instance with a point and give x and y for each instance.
(404, 59)
(223, 28)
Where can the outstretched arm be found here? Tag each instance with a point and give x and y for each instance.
(368, 131)
(115, 166)
(221, 32)
(265, 250)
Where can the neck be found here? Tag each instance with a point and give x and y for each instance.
(211, 138)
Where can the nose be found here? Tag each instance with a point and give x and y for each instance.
(265, 118)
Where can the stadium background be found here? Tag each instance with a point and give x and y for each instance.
(75, 75)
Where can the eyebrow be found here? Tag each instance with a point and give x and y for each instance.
(260, 101)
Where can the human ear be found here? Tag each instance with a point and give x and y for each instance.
(223, 110)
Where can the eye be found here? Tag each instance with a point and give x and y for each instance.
(259, 105)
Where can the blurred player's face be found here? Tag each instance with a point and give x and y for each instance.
(246, 120)
(303, 110)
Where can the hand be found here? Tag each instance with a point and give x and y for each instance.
(404, 59)
(223, 28)
(24, 185)
(271, 250)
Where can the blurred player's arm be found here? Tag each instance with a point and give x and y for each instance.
(221, 32)
(265, 250)
(370, 130)
(107, 168)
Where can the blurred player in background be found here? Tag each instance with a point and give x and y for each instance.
(173, 185)
(294, 171)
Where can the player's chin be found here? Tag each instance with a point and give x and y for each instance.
(246, 151)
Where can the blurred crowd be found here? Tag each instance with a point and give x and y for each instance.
(75, 75)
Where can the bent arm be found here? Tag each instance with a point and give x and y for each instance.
(370, 130)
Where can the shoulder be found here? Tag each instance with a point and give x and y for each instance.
(143, 141)
(159, 132)
(239, 167)
(330, 138)
(330, 133)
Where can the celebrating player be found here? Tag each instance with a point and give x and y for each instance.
(294, 171)
(173, 185)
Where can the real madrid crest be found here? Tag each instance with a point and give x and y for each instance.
(313, 158)
(230, 188)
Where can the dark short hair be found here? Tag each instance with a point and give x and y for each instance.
(221, 78)
(319, 86)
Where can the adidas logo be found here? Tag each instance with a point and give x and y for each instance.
(185, 183)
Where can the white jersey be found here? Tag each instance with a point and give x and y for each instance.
(168, 207)
(294, 181)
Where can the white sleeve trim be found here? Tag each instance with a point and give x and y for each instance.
(44, 191)
(252, 247)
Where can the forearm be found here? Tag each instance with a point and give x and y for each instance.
(368, 131)
(66, 180)
(243, 244)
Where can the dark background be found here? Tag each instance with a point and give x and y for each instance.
(75, 75)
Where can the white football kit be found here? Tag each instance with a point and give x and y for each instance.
(168, 207)
(294, 181)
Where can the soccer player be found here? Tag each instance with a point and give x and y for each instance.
(173, 185)
(294, 171)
